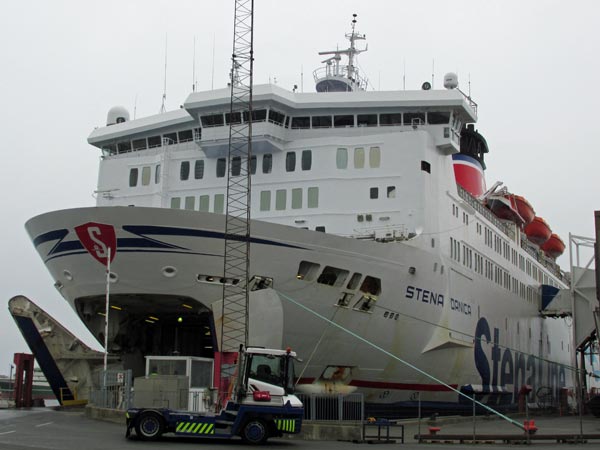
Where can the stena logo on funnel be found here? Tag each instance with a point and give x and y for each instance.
(98, 239)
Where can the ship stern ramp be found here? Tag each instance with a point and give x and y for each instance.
(67, 363)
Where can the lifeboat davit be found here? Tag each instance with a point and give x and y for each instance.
(538, 231)
(505, 208)
(554, 246)
(525, 209)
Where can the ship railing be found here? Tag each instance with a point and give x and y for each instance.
(335, 71)
(469, 100)
(157, 149)
(525, 244)
(481, 209)
(334, 407)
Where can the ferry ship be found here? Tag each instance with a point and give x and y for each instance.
(369, 208)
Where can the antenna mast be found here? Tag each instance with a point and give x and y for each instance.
(234, 328)
(164, 96)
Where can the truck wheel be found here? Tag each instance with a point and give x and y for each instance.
(255, 432)
(149, 426)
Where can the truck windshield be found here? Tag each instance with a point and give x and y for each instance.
(272, 369)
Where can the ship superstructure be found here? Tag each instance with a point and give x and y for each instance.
(368, 207)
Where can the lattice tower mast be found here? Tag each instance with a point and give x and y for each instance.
(234, 331)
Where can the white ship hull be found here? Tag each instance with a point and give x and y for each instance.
(460, 329)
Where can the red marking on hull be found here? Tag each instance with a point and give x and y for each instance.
(469, 178)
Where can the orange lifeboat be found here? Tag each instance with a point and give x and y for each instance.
(554, 246)
(525, 209)
(504, 207)
(538, 231)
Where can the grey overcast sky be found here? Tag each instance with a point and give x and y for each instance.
(533, 67)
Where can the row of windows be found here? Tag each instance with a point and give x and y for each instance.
(204, 204)
(238, 167)
(341, 158)
(471, 259)
(134, 173)
(328, 120)
(390, 192)
(281, 199)
(368, 291)
(503, 248)
(159, 140)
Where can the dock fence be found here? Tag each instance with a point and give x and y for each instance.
(333, 407)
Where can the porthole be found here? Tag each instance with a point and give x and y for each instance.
(113, 277)
(68, 275)
(169, 271)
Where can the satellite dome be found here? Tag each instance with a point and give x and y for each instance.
(450, 80)
(117, 114)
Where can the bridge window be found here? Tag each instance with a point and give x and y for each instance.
(313, 197)
(258, 115)
(366, 120)
(133, 177)
(343, 121)
(391, 192)
(332, 276)
(300, 122)
(280, 199)
(154, 141)
(306, 159)
(204, 203)
(170, 138)
(374, 193)
(267, 163)
(185, 135)
(253, 164)
(139, 144)
(276, 117)
(374, 157)
(221, 164)
(414, 118)
(321, 122)
(320, 228)
(297, 198)
(234, 118)
(184, 170)
(425, 166)
(265, 200)
(212, 120)
(146, 175)
(438, 117)
(124, 147)
(290, 161)
(359, 158)
(341, 158)
(199, 169)
(390, 119)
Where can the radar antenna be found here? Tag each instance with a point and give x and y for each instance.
(234, 318)
(334, 78)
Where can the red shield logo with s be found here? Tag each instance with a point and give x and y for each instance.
(99, 240)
